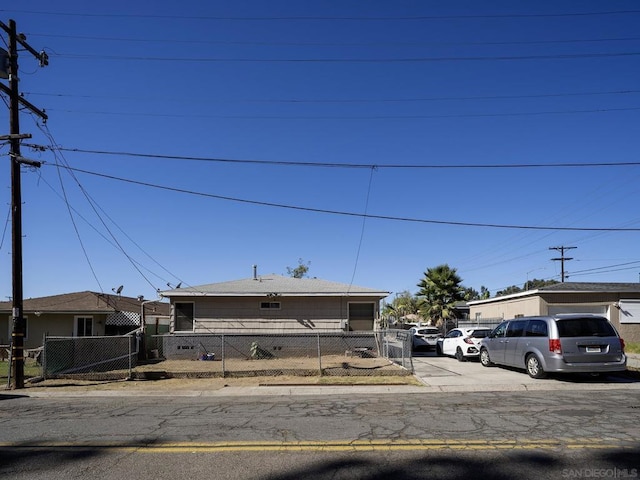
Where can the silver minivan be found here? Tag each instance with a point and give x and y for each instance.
(580, 343)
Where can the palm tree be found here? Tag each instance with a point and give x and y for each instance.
(440, 289)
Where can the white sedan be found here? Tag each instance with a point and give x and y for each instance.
(462, 343)
(424, 337)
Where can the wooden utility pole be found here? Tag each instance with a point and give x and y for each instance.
(18, 327)
(562, 258)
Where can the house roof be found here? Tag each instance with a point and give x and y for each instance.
(87, 302)
(275, 284)
(569, 287)
(591, 287)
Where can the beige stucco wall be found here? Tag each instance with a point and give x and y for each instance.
(630, 332)
(507, 308)
(578, 302)
(243, 314)
(48, 324)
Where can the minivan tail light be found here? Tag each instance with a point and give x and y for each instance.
(622, 344)
(555, 346)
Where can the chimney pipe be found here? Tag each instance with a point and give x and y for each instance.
(255, 272)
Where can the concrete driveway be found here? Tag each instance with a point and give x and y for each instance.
(448, 374)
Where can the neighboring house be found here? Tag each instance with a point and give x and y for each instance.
(274, 304)
(80, 314)
(619, 302)
(461, 310)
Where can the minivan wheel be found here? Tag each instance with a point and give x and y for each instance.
(460, 355)
(534, 368)
(485, 360)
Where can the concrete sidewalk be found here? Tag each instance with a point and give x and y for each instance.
(320, 390)
(633, 361)
(435, 375)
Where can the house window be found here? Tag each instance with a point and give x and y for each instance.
(361, 316)
(184, 316)
(269, 305)
(84, 326)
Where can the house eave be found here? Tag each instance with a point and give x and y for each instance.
(277, 294)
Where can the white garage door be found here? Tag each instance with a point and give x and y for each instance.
(629, 311)
(595, 309)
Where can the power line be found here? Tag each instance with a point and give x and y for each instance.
(324, 18)
(95, 207)
(568, 56)
(70, 210)
(342, 165)
(352, 117)
(580, 273)
(596, 270)
(352, 214)
(336, 100)
(333, 44)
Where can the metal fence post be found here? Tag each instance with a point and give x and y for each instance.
(43, 359)
(319, 355)
(385, 344)
(130, 353)
(223, 357)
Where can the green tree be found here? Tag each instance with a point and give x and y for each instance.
(402, 305)
(535, 283)
(470, 294)
(508, 291)
(300, 271)
(440, 289)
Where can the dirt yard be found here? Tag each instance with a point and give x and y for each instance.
(207, 375)
(367, 366)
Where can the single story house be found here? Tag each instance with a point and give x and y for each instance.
(274, 304)
(81, 314)
(619, 302)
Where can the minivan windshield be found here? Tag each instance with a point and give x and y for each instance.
(585, 327)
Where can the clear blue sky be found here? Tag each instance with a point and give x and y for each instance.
(426, 116)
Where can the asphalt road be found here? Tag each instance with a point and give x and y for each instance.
(571, 428)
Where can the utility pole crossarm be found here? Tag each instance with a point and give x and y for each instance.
(26, 103)
(22, 40)
(19, 136)
(562, 258)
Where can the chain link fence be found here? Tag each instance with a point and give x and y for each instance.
(397, 346)
(385, 353)
(340, 354)
(481, 323)
(112, 357)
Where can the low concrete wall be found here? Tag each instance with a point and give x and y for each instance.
(193, 347)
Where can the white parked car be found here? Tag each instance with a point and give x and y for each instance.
(462, 343)
(424, 337)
